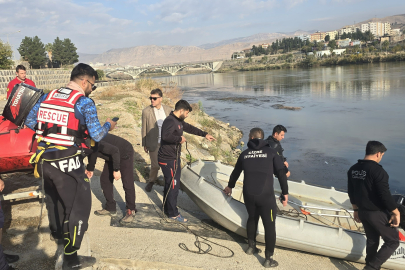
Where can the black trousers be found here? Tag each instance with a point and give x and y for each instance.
(170, 169)
(375, 225)
(264, 206)
(3, 262)
(127, 177)
(67, 195)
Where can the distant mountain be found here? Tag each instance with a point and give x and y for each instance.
(86, 57)
(155, 55)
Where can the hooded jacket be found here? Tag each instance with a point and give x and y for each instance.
(259, 162)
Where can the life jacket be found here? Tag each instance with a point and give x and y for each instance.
(57, 121)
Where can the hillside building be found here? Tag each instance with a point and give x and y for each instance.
(305, 37)
(332, 34)
(318, 36)
(378, 29)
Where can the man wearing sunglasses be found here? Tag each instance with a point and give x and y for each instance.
(152, 120)
(67, 125)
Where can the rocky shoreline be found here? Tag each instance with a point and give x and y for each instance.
(127, 101)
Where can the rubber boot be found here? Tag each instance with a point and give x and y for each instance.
(269, 262)
(252, 249)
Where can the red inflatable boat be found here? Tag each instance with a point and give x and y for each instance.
(15, 147)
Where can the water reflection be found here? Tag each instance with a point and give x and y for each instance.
(343, 108)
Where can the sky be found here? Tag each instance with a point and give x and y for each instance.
(95, 27)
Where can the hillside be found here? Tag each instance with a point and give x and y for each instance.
(399, 19)
(155, 55)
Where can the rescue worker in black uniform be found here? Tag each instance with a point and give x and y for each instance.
(169, 155)
(259, 162)
(275, 142)
(66, 122)
(374, 205)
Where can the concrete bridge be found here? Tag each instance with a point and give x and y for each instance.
(172, 69)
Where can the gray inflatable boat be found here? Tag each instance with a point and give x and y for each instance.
(317, 220)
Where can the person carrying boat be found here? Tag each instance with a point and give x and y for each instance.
(152, 120)
(373, 205)
(118, 154)
(274, 142)
(66, 125)
(259, 162)
(169, 155)
(21, 77)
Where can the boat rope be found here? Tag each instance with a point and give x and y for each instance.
(197, 243)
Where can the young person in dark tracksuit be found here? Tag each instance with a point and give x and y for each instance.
(118, 154)
(259, 162)
(169, 155)
(373, 205)
(275, 142)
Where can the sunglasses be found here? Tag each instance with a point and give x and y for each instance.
(154, 98)
(93, 87)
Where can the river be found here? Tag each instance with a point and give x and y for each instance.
(342, 109)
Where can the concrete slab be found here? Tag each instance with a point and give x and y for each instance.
(153, 248)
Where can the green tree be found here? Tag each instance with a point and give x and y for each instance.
(327, 38)
(332, 45)
(6, 54)
(385, 45)
(48, 49)
(100, 74)
(33, 51)
(64, 52)
(70, 51)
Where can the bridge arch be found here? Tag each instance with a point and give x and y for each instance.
(122, 71)
(174, 72)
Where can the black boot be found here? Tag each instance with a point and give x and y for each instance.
(269, 262)
(11, 258)
(252, 249)
(78, 262)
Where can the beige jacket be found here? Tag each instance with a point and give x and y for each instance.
(150, 129)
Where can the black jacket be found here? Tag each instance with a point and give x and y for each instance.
(368, 187)
(112, 149)
(276, 145)
(259, 163)
(172, 130)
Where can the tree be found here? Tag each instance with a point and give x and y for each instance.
(332, 45)
(70, 50)
(6, 54)
(64, 52)
(327, 38)
(100, 74)
(48, 49)
(33, 51)
(368, 36)
(385, 45)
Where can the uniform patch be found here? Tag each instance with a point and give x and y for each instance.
(65, 91)
(61, 96)
(53, 116)
(67, 165)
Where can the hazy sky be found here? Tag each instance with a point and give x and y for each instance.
(99, 26)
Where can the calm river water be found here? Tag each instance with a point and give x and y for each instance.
(342, 109)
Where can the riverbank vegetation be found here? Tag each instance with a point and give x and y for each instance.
(384, 52)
